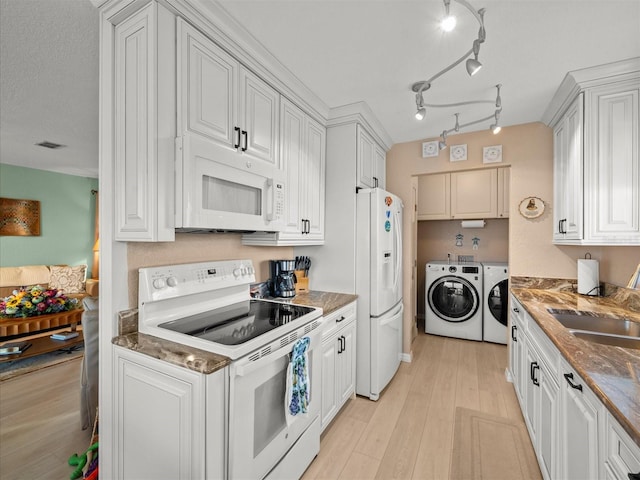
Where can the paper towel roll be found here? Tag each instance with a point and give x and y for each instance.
(588, 277)
(472, 223)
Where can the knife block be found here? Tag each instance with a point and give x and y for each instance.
(302, 282)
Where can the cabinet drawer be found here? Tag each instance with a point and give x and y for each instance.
(338, 319)
(546, 348)
(622, 454)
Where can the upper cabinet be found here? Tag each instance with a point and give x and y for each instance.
(224, 102)
(143, 119)
(472, 194)
(594, 115)
(371, 161)
(302, 146)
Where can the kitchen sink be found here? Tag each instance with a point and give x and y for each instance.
(597, 324)
(614, 340)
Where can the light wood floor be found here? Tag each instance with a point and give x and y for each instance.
(40, 423)
(408, 432)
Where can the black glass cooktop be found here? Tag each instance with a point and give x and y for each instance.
(239, 322)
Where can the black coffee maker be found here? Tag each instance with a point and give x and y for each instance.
(283, 278)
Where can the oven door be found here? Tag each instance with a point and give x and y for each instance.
(220, 190)
(259, 436)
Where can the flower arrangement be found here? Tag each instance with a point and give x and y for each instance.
(36, 300)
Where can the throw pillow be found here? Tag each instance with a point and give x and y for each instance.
(68, 279)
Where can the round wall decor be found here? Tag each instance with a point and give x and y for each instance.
(531, 207)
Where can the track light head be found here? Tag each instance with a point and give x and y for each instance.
(473, 66)
(495, 128)
(420, 113)
(448, 23)
(442, 144)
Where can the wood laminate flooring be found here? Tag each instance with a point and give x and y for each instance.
(40, 423)
(408, 432)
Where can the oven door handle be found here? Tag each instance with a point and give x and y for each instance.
(246, 366)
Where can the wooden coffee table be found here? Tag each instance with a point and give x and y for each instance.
(27, 329)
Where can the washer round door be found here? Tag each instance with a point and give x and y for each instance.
(453, 299)
(497, 301)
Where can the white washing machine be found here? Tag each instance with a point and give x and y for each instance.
(495, 302)
(453, 299)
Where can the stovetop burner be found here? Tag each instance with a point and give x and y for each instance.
(237, 323)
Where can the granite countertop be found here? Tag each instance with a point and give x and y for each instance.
(200, 360)
(612, 373)
(328, 301)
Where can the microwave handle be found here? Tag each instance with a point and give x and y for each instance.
(271, 198)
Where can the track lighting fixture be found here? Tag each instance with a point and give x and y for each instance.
(495, 128)
(472, 65)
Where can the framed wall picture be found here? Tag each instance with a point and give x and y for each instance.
(531, 207)
(458, 153)
(19, 217)
(492, 154)
(430, 149)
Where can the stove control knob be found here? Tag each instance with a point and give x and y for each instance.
(236, 272)
(159, 283)
(172, 281)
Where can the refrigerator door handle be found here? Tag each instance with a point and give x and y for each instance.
(398, 250)
(392, 315)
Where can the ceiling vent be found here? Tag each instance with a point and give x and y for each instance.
(51, 145)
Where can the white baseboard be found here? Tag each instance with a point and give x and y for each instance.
(507, 374)
(406, 357)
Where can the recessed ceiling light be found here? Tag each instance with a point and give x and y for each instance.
(47, 144)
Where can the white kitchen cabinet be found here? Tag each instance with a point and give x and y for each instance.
(371, 161)
(171, 420)
(504, 186)
(303, 151)
(516, 347)
(579, 412)
(434, 196)
(225, 103)
(144, 125)
(622, 454)
(338, 361)
(594, 115)
(474, 194)
(567, 174)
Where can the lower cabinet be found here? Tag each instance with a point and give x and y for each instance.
(338, 361)
(171, 420)
(580, 410)
(572, 433)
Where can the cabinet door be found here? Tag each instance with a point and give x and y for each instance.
(160, 413)
(313, 178)
(144, 126)
(434, 197)
(516, 349)
(578, 428)
(380, 161)
(548, 424)
(366, 158)
(531, 392)
(329, 394)
(259, 110)
(208, 88)
(567, 174)
(474, 194)
(612, 168)
(292, 145)
(345, 370)
(504, 183)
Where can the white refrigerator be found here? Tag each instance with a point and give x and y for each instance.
(379, 289)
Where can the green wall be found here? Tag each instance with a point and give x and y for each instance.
(67, 213)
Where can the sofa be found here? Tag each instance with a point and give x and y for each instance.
(89, 368)
(72, 280)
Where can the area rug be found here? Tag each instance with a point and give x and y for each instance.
(9, 370)
(491, 448)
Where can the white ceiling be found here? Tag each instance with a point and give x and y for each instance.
(345, 51)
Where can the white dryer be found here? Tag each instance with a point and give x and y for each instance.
(453, 299)
(496, 295)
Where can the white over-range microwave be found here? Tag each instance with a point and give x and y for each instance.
(219, 190)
